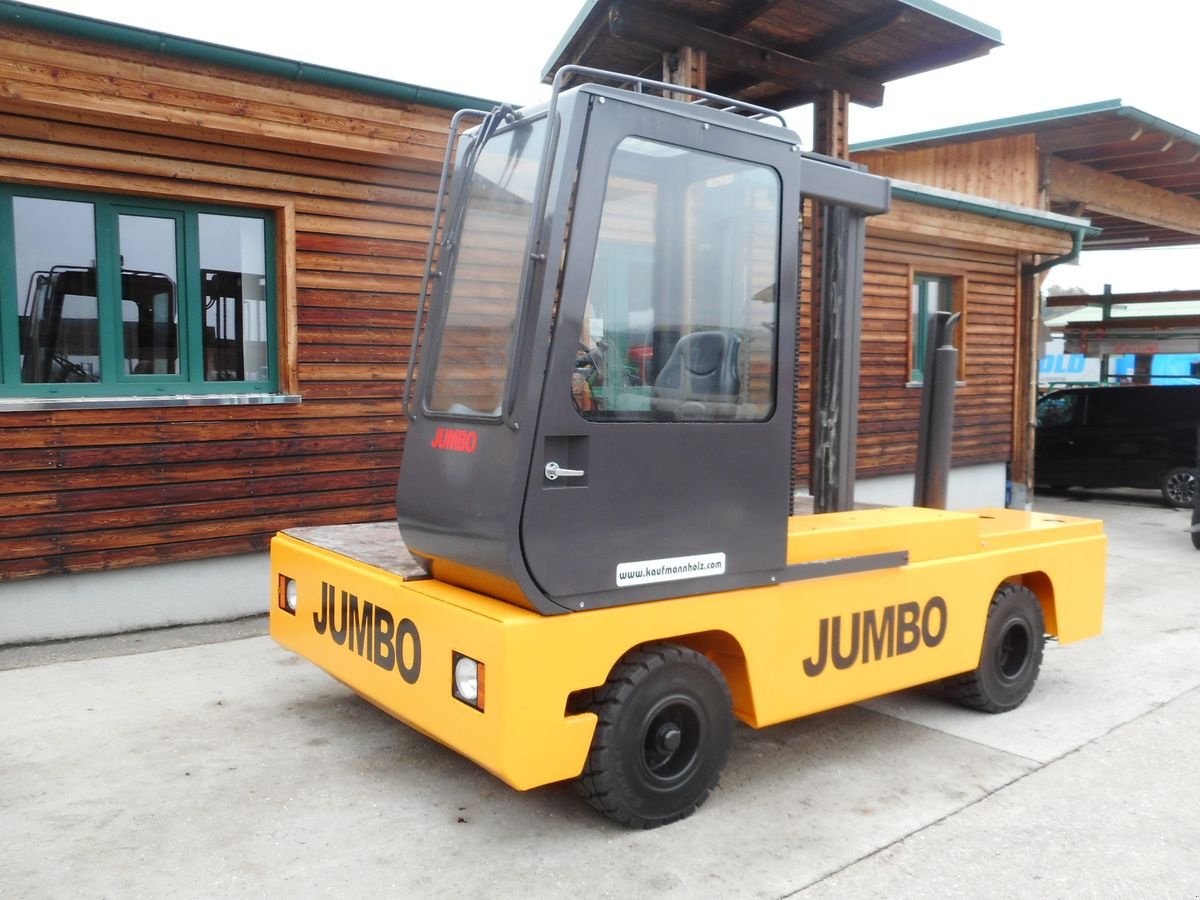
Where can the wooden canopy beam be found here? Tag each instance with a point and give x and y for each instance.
(665, 33)
(814, 51)
(936, 59)
(1086, 136)
(1148, 324)
(743, 18)
(1070, 300)
(1183, 180)
(847, 36)
(1136, 155)
(1115, 196)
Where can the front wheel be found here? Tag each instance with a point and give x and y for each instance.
(1179, 487)
(666, 725)
(1012, 654)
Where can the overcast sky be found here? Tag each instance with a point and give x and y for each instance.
(1056, 53)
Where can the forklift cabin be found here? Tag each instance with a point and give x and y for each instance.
(605, 407)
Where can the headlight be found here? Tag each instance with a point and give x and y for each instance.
(468, 680)
(289, 594)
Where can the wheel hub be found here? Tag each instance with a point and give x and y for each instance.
(1014, 650)
(668, 737)
(1181, 487)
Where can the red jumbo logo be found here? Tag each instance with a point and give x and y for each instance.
(459, 440)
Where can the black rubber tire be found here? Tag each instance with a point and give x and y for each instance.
(666, 725)
(1179, 487)
(1013, 642)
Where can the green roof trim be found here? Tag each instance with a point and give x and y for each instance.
(954, 17)
(1010, 123)
(568, 35)
(1132, 112)
(992, 209)
(13, 12)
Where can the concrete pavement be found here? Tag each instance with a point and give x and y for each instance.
(235, 769)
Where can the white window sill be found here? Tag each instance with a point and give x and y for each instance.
(58, 404)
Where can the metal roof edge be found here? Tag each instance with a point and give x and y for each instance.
(13, 12)
(992, 125)
(927, 195)
(1132, 112)
(568, 35)
(954, 17)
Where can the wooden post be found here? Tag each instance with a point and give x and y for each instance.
(830, 122)
(831, 117)
(686, 67)
(1025, 363)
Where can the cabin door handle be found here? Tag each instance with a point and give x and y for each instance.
(554, 472)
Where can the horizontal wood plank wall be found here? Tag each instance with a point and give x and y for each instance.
(889, 409)
(85, 490)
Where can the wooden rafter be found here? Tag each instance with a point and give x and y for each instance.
(1112, 195)
(848, 35)
(1070, 300)
(744, 18)
(1086, 136)
(664, 33)
(946, 56)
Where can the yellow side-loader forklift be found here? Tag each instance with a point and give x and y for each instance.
(597, 569)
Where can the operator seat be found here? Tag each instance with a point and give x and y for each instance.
(699, 380)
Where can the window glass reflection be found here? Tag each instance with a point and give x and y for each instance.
(149, 313)
(55, 255)
(233, 287)
(682, 305)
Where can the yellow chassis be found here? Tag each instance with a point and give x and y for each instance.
(895, 628)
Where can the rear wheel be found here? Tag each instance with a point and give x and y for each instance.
(1012, 654)
(665, 728)
(1179, 487)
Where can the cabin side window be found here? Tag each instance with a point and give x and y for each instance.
(682, 307)
(100, 296)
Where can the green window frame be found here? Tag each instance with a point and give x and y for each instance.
(172, 328)
(930, 294)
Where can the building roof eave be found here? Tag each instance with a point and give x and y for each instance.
(13, 12)
(941, 198)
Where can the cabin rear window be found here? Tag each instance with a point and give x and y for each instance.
(485, 260)
(109, 296)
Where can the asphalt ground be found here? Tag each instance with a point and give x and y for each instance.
(208, 762)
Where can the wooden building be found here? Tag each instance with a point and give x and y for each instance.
(152, 418)
(209, 266)
(1135, 177)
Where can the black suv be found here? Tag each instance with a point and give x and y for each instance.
(1127, 436)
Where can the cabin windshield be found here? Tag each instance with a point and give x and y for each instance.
(486, 256)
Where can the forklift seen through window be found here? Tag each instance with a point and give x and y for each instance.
(105, 298)
(683, 306)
